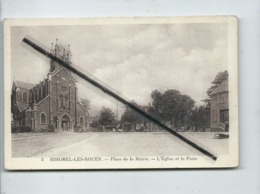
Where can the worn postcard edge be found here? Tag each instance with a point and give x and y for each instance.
(230, 160)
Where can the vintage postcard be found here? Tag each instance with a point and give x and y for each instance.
(121, 93)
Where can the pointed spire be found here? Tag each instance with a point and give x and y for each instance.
(57, 50)
(64, 54)
(60, 51)
(52, 48)
(68, 54)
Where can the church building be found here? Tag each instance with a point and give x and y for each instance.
(52, 104)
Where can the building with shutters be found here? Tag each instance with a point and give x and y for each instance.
(220, 107)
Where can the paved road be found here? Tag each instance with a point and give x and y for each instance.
(112, 144)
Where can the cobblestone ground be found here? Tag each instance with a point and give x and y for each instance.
(111, 144)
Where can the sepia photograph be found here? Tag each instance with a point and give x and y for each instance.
(121, 93)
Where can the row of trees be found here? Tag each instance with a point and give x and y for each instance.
(170, 107)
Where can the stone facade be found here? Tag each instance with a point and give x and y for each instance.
(51, 104)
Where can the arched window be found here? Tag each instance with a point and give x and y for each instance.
(81, 121)
(35, 95)
(41, 93)
(45, 89)
(17, 95)
(43, 118)
(31, 97)
(38, 94)
(25, 97)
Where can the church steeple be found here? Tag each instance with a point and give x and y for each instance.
(59, 51)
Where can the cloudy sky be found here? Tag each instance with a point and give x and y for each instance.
(132, 59)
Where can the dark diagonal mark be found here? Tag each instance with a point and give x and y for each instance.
(119, 98)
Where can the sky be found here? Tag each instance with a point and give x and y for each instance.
(131, 59)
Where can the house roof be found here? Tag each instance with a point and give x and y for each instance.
(24, 85)
(223, 87)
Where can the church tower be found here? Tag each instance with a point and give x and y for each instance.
(52, 104)
(59, 51)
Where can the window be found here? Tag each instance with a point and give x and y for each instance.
(25, 97)
(224, 116)
(214, 98)
(31, 97)
(222, 98)
(35, 96)
(81, 121)
(41, 92)
(38, 94)
(43, 118)
(17, 95)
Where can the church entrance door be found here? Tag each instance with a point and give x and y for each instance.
(65, 123)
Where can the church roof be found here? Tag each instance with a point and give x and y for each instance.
(21, 106)
(24, 85)
(63, 68)
(223, 87)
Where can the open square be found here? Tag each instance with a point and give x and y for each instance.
(111, 144)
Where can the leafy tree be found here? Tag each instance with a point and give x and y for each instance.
(131, 116)
(106, 117)
(172, 106)
(95, 123)
(184, 110)
(200, 116)
(156, 106)
(152, 111)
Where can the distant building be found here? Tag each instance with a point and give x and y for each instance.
(220, 107)
(51, 104)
